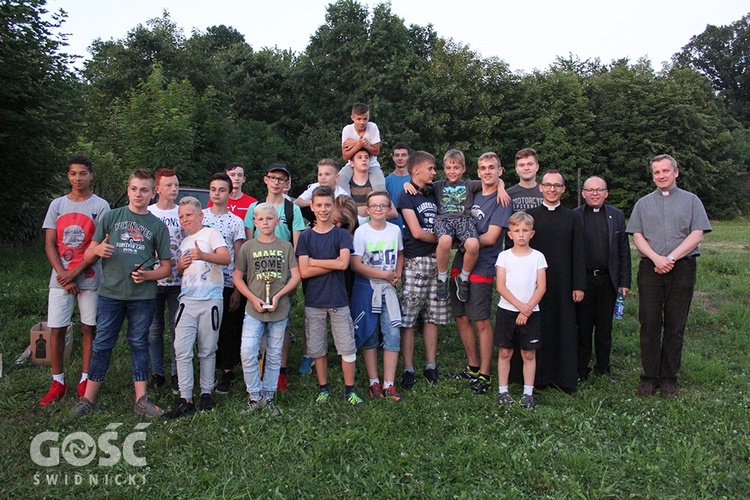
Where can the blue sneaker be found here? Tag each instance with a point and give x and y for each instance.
(305, 367)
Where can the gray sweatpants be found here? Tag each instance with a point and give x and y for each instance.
(197, 320)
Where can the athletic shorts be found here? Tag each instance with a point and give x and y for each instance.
(479, 305)
(506, 330)
(61, 303)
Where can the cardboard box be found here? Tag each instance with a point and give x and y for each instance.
(40, 344)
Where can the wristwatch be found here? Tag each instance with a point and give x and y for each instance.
(670, 257)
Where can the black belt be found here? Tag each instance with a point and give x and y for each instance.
(598, 272)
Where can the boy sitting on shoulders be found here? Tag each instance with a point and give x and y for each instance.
(361, 134)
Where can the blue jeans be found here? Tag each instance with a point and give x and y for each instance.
(166, 298)
(390, 335)
(110, 316)
(252, 332)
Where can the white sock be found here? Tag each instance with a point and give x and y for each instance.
(443, 276)
(84, 376)
(374, 381)
(502, 389)
(528, 390)
(464, 275)
(59, 378)
(387, 384)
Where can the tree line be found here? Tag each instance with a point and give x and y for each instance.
(158, 98)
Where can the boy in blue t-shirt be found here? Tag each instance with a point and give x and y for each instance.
(323, 253)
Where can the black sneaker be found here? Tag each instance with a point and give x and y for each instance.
(175, 385)
(183, 409)
(504, 399)
(442, 290)
(480, 385)
(527, 401)
(271, 408)
(225, 383)
(465, 374)
(156, 382)
(462, 289)
(431, 374)
(206, 402)
(407, 381)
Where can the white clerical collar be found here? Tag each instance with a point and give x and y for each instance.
(667, 193)
(596, 210)
(551, 207)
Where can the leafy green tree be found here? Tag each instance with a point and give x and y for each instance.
(157, 123)
(722, 54)
(39, 110)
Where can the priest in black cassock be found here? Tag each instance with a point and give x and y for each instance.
(559, 236)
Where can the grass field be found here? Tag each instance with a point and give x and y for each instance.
(440, 442)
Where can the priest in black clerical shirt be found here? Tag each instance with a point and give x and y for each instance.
(607, 257)
(559, 236)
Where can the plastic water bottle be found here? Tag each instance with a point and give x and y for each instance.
(619, 306)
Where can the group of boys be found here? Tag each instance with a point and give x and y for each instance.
(229, 279)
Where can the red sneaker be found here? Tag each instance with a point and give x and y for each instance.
(82, 388)
(55, 393)
(376, 391)
(393, 394)
(282, 385)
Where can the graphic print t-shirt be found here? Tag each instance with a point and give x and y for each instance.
(171, 219)
(231, 229)
(259, 261)
(378, 249)
(425, 208)
(75, 223)
(138, 239)
(202, 280)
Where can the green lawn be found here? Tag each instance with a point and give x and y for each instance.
(440, 442)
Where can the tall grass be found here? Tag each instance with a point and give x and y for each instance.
(440, 442)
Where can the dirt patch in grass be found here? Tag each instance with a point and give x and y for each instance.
(724, 245)
(704, 299)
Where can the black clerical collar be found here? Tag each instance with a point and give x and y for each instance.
(549, 207)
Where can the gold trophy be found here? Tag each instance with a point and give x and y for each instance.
(268, 279)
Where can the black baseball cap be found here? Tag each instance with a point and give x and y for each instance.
(279, 167)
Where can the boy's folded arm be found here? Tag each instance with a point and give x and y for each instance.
(338, 264)
(308, 270)
(373, 149)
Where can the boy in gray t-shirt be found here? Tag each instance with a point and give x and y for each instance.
(265, 268)
(68, 228)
